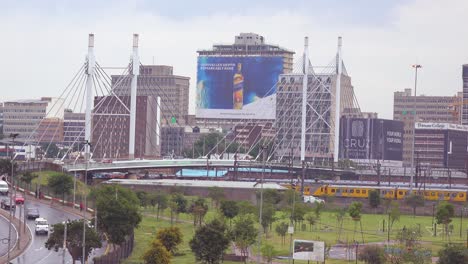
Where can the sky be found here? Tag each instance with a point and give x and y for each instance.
(44, 43)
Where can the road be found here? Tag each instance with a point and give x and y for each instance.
(4, 235)
(36, 252)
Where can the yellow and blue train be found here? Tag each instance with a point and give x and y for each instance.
(388, 192)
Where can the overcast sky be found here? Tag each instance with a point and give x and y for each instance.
(44, 43)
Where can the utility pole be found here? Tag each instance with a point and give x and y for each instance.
(64, 241)
(12, 183)
(259, 257)
(85, 207)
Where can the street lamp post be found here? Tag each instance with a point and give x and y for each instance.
(85, 205)
(12, 183)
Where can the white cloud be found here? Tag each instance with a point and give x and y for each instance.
(42, 53)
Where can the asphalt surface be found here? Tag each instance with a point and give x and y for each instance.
(36, 252)
(4, 235)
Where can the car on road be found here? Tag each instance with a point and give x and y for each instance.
(32, 213)
(5, 204)
(4, 187)
(42, 226)
(312, 199)
(19, 199)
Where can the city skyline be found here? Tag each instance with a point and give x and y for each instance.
(47, 42)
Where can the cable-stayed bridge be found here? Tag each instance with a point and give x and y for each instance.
(304, 135)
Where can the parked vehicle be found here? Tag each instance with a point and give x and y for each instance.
(42, 226)
(5, 204)
(4, 187)
(312, 199)
(32, 213)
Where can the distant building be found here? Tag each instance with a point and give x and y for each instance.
(221, 100)
(159, 80)
(465, 94)
(438, 109)
(441, 145)
(50, 130)
(1, 118)
(247, 135)
(111, 126)
(73, 128)
(23, 116)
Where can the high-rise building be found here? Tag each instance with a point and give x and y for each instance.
(464, 103)
(438, 109)
(238, 81)
(441, 145)
(1, 118)
(23, 116)
(159, 80)
(320, 115)
(50, 130)
(111, 126)
(73, 128)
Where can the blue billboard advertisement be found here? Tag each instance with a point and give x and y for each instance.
(237, 87)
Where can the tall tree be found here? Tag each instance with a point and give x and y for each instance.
(244, 234)
(170, 237)
(374, 198)
(216, 194)
(229, 209)
(27, 178)
(74, 243)
(268, 217)
(415, 201)
(143, 197)
(61, 184)
(281, 229)
(157, 254)
(268, 252)
(393, 216)
(198, 209)
(161, 201)
(118, 209)
(444, 214)
(179, 204)
(209, 242)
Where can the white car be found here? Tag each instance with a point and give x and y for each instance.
(42, 226)
(312, 199)
(4, 187)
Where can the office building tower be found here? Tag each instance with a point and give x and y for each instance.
(437, 109)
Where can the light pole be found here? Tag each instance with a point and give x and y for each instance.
(416, 67)
(85, 205)
(261, 206)
(12, 183)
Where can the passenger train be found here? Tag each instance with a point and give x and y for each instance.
(388, 192)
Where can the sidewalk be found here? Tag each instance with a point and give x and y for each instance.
(24, 239)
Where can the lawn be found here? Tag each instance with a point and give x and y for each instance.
(325, 230)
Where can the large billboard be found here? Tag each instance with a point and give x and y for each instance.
(237, 87)
(364, 139)
(309, 250)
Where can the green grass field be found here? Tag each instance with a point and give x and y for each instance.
(326, 230)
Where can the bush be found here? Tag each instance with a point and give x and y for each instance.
(157, 254)
(372, 254)
(170, 237)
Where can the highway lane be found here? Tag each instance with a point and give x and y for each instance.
(37, 253)
(4, 235)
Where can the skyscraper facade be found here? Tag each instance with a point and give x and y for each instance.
(465, 95)
(439, 109)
